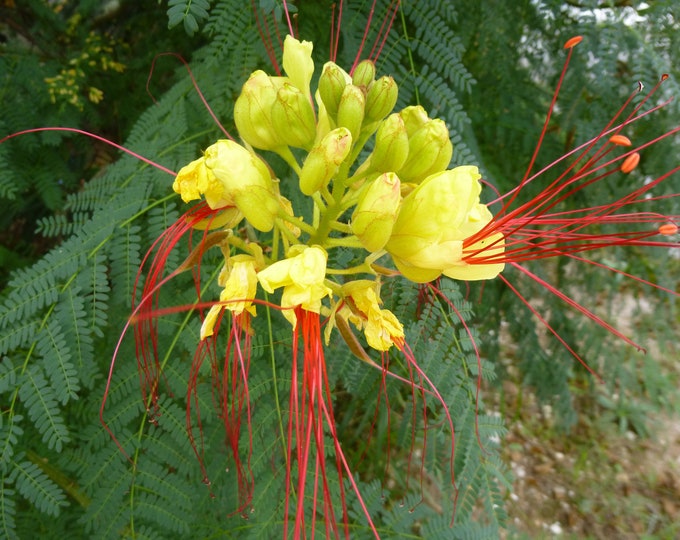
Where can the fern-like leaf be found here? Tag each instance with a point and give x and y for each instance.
(51, 346)
(33, 484)
(43, 409)
(7, 512)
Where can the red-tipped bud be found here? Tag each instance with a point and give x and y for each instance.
(630, 163)
(572, 42)
(620, 140)
(669, 229)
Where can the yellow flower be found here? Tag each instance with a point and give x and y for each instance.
(302, 277)
(381, 327)
(434, 220)
(239, 279)
(193, 180)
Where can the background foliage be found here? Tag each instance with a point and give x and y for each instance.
(78, 218)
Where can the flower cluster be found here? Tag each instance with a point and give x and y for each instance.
(398, 199)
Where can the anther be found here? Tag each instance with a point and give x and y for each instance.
(668, 229)
(572, 42)
(664, 77)
(630, 163)
(620, 140)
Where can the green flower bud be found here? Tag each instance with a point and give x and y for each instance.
(364, 74)
(293, 117)
(332, 82)
(252, 111)
(243, 178)
(391, 145)
(429, 151)
(376, 211)
(324, 160)
(351, 109)
(381, 98)
(414, 118)
(298, 63)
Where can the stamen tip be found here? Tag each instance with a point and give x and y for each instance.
(620, 140)
(664, 77)
(572, 42)
(669, 229)
(630, 163)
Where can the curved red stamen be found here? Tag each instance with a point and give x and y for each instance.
(92, 136)
(193, 82)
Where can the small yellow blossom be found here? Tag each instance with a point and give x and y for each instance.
(381, 327)
(302, 277)
(240, 288)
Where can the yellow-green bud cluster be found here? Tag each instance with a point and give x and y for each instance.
(402, 200)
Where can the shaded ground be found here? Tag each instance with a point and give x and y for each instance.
(595, 482)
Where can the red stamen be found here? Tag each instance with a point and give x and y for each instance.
(193, 82)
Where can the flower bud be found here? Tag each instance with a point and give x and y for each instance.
(298, 63)
(376, 211)
(381, 98)
(242, 178)
(429, 152)
(293, 117)
(391, 145)
(351, 110)
(324, 159)
(253, 111)
(364, 74)
(332, 82)
(414, 118)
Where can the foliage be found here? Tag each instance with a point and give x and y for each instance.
(61, 315)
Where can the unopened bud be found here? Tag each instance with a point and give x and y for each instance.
(351, 109)
(414, 118)
(364, 74)
(429, 151)
(243, 178)
(332, 82)
(252, 111)
(391, 145)
(298, 63)
(376, 211)
(293, 117)
(324, 160)
(381, 98)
